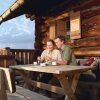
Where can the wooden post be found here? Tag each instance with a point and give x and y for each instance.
(40, 35)
(3, 95)
(40, 30)
(66, 85)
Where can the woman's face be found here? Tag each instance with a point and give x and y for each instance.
(50, 46)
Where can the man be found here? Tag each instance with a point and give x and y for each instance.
(67, 55)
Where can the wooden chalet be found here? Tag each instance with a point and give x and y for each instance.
(53, 18)
(79, 19)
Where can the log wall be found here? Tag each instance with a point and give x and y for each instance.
(89, 44)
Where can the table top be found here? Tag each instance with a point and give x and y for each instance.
(57, 69)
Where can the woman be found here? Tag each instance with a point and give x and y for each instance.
(50, 54)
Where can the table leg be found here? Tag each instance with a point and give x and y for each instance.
(75, 81)
(26, 76)
(69, 94)
(3, 95)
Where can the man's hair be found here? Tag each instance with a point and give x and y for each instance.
(62, 38)
(50, 40)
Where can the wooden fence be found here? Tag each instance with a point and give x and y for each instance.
(17, 56)
(23, 56)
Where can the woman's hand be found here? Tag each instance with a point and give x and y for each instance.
(48, 58)
(39, 59)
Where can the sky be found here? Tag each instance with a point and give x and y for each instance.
(17, 33)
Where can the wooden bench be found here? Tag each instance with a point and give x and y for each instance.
(89, 84)
(25, 94)
(15, 92)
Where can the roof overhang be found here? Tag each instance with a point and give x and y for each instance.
(46, 8)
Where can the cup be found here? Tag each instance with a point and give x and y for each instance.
(35, 63)
(54, 63)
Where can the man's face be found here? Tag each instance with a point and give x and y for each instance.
(58, 43)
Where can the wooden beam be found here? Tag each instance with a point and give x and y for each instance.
(25, 94)
(14, 11)
(48, 87)
(41, 85)
(88, 42)
(89, 51)
(52, 19)
(92, 32)
(92, 21)
(88, 13)
(87, 4)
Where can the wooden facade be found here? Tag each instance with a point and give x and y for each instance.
(89, 44)
(52, 18)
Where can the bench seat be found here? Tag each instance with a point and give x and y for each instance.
(24, 94)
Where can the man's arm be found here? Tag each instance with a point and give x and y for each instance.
(62, 62)
(66, 57)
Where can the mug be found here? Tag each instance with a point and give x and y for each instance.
(54, 63)
(35, 63)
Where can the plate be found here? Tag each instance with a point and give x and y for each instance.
(51, 65)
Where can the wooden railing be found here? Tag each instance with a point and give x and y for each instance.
(23, 56)
(7, 60)
(17, 56)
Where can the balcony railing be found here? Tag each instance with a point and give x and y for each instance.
(23, 56)
(17, 56)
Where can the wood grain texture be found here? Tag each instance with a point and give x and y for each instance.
(88, 42)
(88, 13)
(52, 69)
(92, 32)
(95, 20)
(30, 95)
(6, 60)
(24, 94)
(88, 51)
(69, 93)
(88, 4)
(9, 79)
(3, 95)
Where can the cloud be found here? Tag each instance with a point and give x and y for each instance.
(17, 32)
(22, 24)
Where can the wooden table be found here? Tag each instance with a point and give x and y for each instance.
(61, 72)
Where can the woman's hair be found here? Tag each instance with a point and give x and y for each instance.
(50, 40)
(62, 38)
